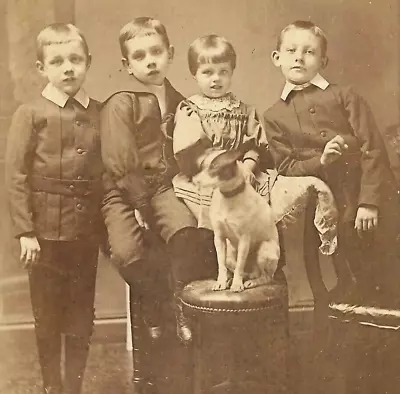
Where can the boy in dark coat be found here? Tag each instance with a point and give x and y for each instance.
(53, 180)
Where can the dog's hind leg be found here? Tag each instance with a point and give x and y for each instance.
(242, 254)
(267, 263)
(220, 247)
(261, 280)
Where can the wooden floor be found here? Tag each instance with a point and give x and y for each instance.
(109, 368)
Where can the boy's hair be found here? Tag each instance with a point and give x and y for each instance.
(143, 25)
(210, 49)
(59, 33)
(305, 25)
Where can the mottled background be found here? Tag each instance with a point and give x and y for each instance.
(363, 49)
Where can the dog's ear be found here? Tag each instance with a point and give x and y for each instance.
(224, 161)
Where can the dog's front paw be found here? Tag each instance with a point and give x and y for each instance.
(220, 285)
(237, 286)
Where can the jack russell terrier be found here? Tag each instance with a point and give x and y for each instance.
(245, 235)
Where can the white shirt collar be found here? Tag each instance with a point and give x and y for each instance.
(318, 81)
(50, 92)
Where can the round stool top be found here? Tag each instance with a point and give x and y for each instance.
(200, 296)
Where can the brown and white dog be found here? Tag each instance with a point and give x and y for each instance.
(245, 235)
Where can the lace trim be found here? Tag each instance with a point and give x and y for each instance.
(228, 102)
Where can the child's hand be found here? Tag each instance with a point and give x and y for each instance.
(30, 250)
(366, 219)
(333, 150)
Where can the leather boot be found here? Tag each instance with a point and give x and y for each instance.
(183, 329)
(49, 352)
(183, 248)
(76, 354)
(135, 275)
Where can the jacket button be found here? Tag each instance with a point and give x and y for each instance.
(78, 123)
(79, 206)
(312, 110)
(71, 187)
(79, 178)
(80, 151)
(323, 134)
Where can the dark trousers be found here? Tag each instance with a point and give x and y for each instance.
(364, 266)
(369, 260)
(62, 287)
(373, 259)
(189, 255)
(174, 245)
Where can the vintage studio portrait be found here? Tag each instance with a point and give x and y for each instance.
(200, 197)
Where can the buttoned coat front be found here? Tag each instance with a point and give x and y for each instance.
(298, 129)
(54, 170)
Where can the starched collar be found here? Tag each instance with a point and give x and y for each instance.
(318, 81)
(228, 102)
(56, 96)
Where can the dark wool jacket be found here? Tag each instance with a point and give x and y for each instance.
(137, 143)
(54, 170)
(299, 128)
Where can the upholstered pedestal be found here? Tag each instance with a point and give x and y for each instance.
(240, 339)
(366, 335)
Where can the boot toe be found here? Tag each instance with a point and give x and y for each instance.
(155, 332)
(184, 333)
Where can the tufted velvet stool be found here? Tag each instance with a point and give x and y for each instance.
(240, 339)
(366, 343)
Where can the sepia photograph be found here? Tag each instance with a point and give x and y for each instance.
(199, 197)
